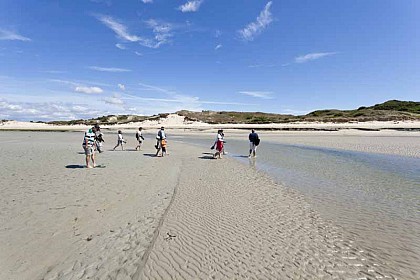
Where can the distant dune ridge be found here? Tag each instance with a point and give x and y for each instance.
(390, 112)
(387, 111)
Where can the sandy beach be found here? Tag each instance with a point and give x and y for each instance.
(183, 216)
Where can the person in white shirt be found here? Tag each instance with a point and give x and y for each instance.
(89, 146)
(139, 138)
(120, 141)
(219, 144)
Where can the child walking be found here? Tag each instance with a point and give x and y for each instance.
(139, 138)
(120, 141)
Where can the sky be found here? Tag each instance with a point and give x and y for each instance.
(66, 60)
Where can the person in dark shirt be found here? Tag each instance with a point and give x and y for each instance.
(254, 141)
(99, 139)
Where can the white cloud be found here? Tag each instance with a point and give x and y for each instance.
(254, 28)
(184, 99)
(155, 88)
(107, 2)
(118, 28)
(121, 86)
(218, 47)
(8, 106)
(262, 65)
(258, 94)
(45, 110)
(295, 112)
(147, 1)
(54, 71)
(88, 90)
(79, 83)
(161, 30)
(312, 56)
(109, 69)
(10, 35)
(190, 6)
(180, 98)
(114, 100)
(138, 53)
(64, 82)
(120, 46)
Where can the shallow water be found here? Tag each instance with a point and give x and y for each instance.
(375, 198)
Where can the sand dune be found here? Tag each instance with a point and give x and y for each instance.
(175, 121)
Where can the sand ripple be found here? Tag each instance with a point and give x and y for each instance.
(223, 226)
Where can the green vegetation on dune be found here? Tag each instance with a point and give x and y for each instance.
(110, 119)
(214, 117)
(401, 106)
(393, 110)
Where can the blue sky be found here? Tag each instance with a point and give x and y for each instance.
(79, 59)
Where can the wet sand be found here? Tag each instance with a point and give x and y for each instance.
(184, 216)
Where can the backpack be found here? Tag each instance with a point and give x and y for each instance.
(257, 141)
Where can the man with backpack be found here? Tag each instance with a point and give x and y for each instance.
(161, 142)
(254, 141)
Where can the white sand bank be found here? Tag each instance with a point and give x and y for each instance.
(179, 122)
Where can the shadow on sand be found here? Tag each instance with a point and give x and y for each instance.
(207, 156)
(149, 155)
(75, 166)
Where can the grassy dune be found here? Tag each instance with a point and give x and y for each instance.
(393, 110)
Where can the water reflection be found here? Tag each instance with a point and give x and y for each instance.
(369, 195)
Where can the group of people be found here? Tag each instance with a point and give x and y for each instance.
(219, 144)
(93, 140)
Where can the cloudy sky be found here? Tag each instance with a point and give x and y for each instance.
(88, 58)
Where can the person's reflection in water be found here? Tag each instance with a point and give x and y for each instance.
(252, 162)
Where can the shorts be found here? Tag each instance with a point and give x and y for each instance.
(252, 146)
(88, 151)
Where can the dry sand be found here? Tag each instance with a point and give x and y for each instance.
(183, 217)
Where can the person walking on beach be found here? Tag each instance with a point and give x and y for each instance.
(161, 135)
(139, 138)
(99, 139)
(223, 139)
(219, 144)
(222, 135)
(89, 146)
(120, 141)
(254, 141)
